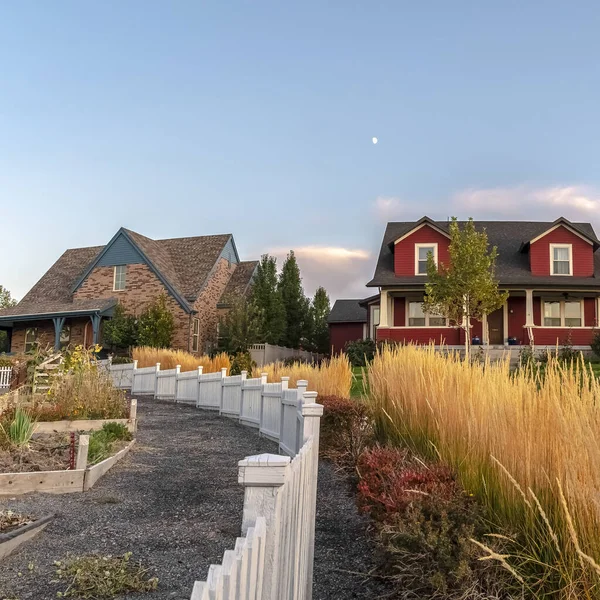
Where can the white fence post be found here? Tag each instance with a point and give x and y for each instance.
(82, 452)
(156, 379)
(312, 413)
(177, 371)
(262, 476)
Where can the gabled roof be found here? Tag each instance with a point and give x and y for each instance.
(347, 311)
(573, 227)
(420, 223)
(182, 264)
(512, 265)
(240, 281)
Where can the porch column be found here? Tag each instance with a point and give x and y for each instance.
(95, 327)
(485, 337)
(384, 309)
(59, 323)
(529, 308)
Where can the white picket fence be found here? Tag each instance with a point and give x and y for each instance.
(5, 377)
(274, 558)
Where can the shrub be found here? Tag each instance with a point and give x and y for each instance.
(425, 521)
(121, 331)
(346, 429)
(360, 352)
(121, 360)
(102, 441)
(156, 324)
(242, 361)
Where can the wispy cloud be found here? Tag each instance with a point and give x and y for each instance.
(342, 271)
(572, 200)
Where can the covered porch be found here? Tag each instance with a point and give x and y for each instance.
(542, 317)
(72, 325)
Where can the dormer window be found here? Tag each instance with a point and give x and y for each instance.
(422, 251)
(561, 259)
(119, 279)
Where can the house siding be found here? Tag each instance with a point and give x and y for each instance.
(228, 252)
(425, 335)
(142, 288)
(404, 251)
(342, 333)
(121, 252)
(560, 335)
(583, 255)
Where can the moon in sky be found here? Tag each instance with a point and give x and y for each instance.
(374, 140)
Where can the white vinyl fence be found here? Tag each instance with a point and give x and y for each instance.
(263, 354)
(274, 558)
(5, 377)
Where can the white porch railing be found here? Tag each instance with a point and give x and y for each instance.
(5, 377)
(274, 558)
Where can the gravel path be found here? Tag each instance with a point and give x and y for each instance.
(175, 502)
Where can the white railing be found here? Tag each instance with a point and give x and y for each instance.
(274, 559)
(5, 377)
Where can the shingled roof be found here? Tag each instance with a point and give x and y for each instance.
(510, 237)
(347, 311)
(239, 283)
(185, 263)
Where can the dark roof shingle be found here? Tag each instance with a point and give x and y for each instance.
(347, 311)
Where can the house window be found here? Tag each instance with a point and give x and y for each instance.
(563, 313)
(119, 281)
(374, 320)
(418, 318)
(561, 259)
(31, 334)
(195, 335)
(65, 336)
(422, 251)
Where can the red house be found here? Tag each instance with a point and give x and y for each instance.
(551, 271)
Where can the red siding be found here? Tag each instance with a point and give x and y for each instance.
(404, 251)
(517, 319)
(477, 329)
(424, 335)
(549, 337)
(342, 333)
(399, 312)
(583, 255)
(589, 312)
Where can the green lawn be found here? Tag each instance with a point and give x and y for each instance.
(357, 390)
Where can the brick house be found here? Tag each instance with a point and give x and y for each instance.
(70, 302)
(551, 271)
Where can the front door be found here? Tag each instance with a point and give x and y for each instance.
(496, 327)
(88, 335)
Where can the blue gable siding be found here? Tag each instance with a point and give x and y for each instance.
(229, 253)
(121, 252)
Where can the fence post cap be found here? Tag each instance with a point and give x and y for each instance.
(178, 368)
(200, 369)
(263, 470)
(135, 364)
(285, 378)
(224, 371)
(312, 410)
(158, 366)
(310, 396)
(302, 383)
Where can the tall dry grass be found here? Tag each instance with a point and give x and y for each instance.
(526, 446)
(169, 359)
(332, 377)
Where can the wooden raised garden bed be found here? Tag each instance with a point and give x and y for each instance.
(12, 538)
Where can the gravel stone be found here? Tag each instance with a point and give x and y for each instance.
(175, 502)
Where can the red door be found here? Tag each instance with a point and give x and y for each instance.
(88, 335)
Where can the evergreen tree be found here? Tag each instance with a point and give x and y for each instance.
(156, 324)
(267, 302)
(240, 328)
(6, 301)
(320, 329)
(121, 330)
(294, 302)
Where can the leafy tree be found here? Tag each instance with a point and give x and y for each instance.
(319, 311)
(240, 328)
(267, 301)
(121, 331)
(466, 288)
(156, 324)
(6, 301)
(294, 302)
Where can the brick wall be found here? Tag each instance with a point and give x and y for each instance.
(46, 333)
(404, 251)
(142, 288)
(206, 304)
(583, 256)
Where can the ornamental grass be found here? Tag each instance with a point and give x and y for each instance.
(332, 377)
(525, 444)
(169, 359)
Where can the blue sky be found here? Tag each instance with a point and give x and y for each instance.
(256, 118)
